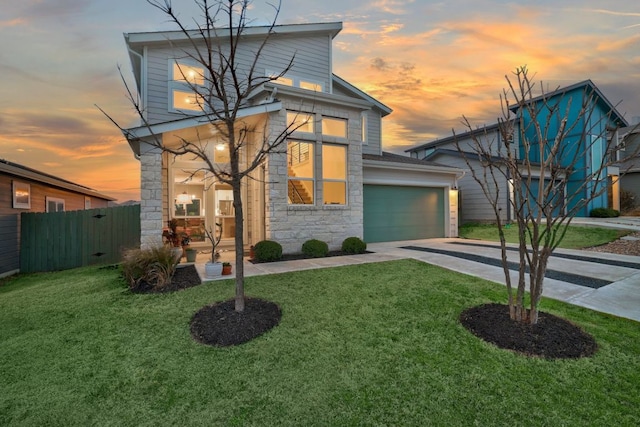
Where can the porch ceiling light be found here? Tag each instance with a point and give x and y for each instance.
(220, 146)
(183, 198)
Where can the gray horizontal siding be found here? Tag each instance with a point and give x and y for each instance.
(474, 206)
(374, 128)
(374, 138)
(311, 56)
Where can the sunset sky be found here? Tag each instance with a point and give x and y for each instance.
(431, 62)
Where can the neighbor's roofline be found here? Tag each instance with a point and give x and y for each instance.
(585, 83)
(25, 172)
(446, 140)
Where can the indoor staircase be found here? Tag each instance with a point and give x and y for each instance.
(298, 194)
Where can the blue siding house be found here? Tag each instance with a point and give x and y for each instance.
(591, 121)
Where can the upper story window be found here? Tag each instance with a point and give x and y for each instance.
(334, 127)
(300, 122)
(185, 80)
(295, 81)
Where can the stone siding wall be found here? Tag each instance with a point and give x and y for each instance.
(151, 197)
(292, 225)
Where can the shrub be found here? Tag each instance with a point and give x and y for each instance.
(354, 245)
(267, 250)
(144, 268)
(315, 248)
(627, 201)
(604, 213)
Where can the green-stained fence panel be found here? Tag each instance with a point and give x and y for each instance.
(63, 240)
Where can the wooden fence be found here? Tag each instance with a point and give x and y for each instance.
(62, 240)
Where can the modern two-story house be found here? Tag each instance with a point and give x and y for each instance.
(331, 179)
(593, 121)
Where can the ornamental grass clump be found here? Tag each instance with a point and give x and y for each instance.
(151, 268)
(315, 248)
(354, 245)
(267, 251)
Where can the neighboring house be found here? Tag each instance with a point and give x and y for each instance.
(629, 138)
(332, 182)
(600, 125)
(23, 189)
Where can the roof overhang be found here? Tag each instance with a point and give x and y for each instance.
(278, 90)
(360, 94)
(137, 40)
(384, 164)
(135, 135)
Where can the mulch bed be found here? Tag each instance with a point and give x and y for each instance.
(295, 257)
(183, 278)
(220, 325)
(551, 338)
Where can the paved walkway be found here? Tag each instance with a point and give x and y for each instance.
(614, 290)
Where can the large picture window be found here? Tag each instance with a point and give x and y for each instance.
(300, 173)
(334, 174)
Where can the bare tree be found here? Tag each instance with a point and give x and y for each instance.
(229, 85)
(542, 146)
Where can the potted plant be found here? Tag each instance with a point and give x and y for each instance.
(185, 240)
(171, 238)
(213, 268)
(226, 268)
(191, 254)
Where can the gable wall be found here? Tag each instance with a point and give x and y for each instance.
(311, 59)
(374, 128)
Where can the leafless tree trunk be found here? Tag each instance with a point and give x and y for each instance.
(213, 44)
(545, 130)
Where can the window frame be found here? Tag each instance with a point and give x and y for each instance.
(346, 175)
(181, 84)
(21, 192)
(296, 81)
(364, 119)
(335, 119)
(291, 122)
(312, 179)
(57, 200)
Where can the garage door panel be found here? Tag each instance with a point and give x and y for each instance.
(402, 213)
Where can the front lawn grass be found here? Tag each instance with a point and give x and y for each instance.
(372, 344)
(576, 237)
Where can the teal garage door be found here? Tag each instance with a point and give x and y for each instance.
(402, 213)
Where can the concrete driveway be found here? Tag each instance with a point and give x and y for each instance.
(604, 282)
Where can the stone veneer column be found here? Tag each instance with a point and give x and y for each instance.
(150, 196)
